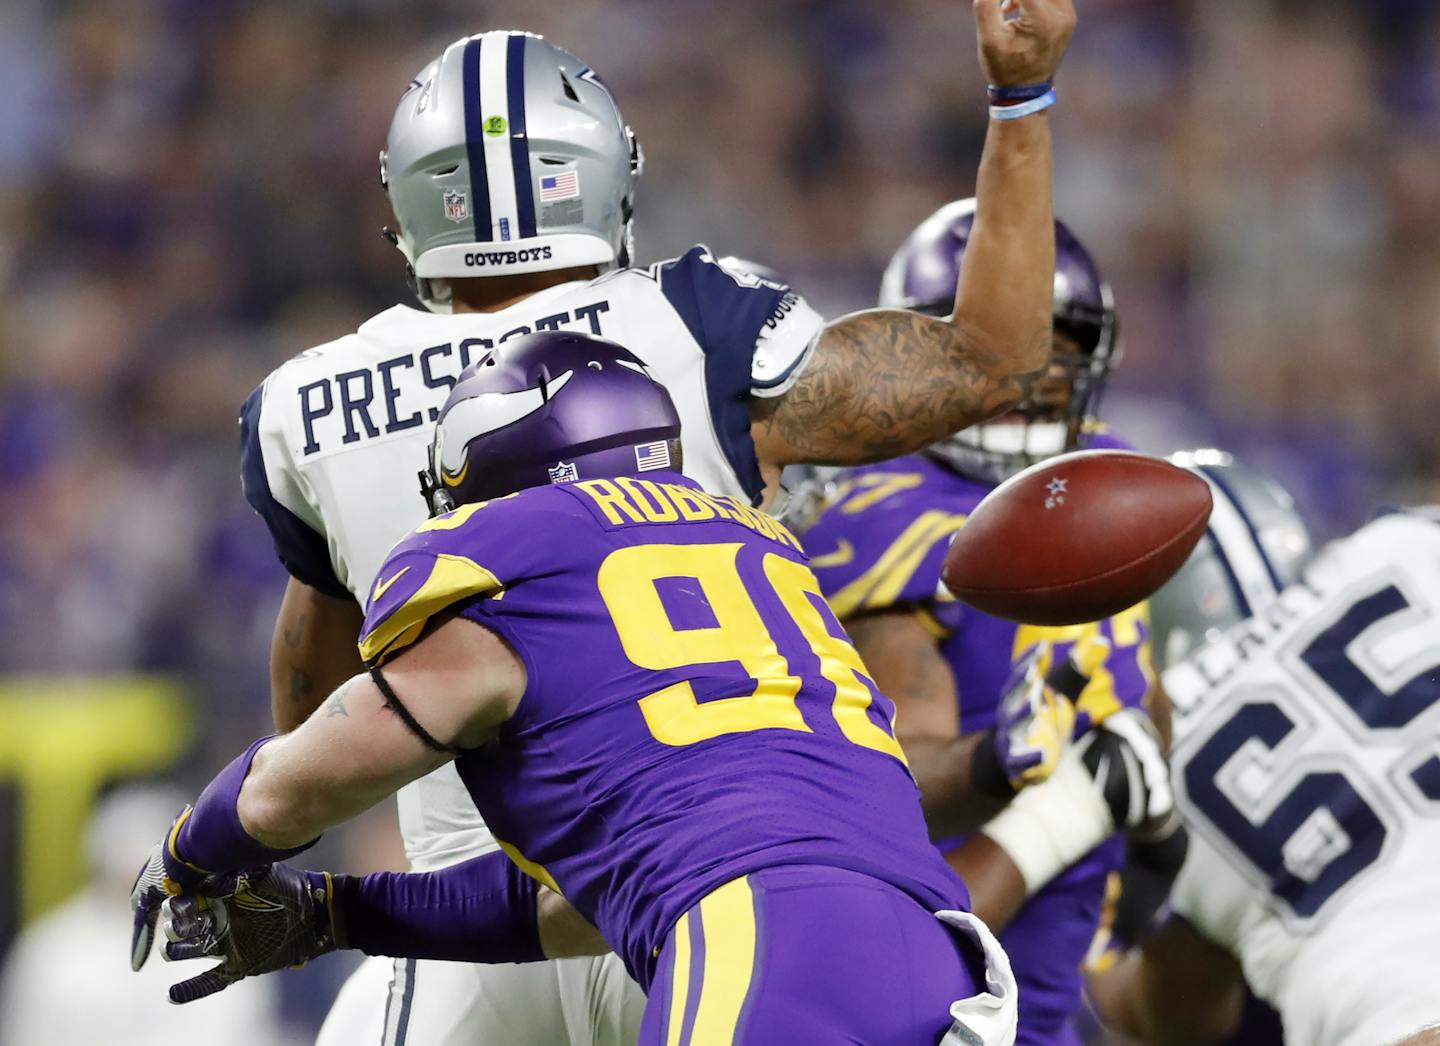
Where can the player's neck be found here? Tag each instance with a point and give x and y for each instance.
(493, 293)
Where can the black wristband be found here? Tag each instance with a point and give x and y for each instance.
(986, 773)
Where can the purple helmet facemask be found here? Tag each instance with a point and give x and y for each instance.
(552, 407)
(922, 276)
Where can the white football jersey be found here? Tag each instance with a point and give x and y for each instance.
(1307, 764)
(333, 441)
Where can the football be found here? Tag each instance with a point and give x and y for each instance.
(1077, 538)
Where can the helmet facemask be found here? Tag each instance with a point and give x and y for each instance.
(1063, 406)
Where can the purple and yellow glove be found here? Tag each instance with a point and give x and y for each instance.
(206, 853)
(1037, 716)
(164, 875)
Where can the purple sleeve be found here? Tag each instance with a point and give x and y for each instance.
(481, 910)
(209, 837)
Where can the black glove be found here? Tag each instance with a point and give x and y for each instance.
(276, 918)
(1124, 757)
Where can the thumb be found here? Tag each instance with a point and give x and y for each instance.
(208, 983)
(989, 19)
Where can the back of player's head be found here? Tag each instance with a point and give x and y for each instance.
(551, 407)
(1256, 545)
(922, 276)
(508, 155)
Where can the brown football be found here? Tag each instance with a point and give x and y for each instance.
(1078, 538)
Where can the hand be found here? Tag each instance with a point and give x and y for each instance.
(163, 875)
(1124, 758)
(1022, 41)
(1036, 718)
(277, 918)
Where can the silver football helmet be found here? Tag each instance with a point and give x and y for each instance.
(508, 155)
(1255, 546)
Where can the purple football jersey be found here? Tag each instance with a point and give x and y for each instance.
(879, 546)
(693, 712)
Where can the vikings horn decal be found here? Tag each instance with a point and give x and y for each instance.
(491, 411)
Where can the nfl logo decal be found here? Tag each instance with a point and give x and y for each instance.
(456, 208)
(562, 472)
(652, 456)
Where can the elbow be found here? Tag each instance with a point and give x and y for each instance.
(1032, 348)
(270, 815)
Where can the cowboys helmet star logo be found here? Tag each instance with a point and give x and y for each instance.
(1056, 487)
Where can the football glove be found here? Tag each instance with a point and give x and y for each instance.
(276, 918)
(1037, 717)
(1124, 758)
(163, 875)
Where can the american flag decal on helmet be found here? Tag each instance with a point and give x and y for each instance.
(562, 186)
(652, 456)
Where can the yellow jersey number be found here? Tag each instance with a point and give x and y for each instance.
(627, 582)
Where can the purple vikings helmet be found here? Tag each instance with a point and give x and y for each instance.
(922, 276)
(552, 407)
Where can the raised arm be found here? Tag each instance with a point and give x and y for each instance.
(885, 382)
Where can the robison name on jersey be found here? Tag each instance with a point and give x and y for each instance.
(333, 440)
(1307, 761)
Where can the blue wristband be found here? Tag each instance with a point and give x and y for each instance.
(1018, 92)
(1016, 112)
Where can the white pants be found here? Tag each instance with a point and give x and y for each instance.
(410, 1002)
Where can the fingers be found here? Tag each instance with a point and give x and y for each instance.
(193, 926)
(1090, 653)
(185, 917)
(208, 983)
(177, 951)
(989, 18)
(145, 899)
(146, 911)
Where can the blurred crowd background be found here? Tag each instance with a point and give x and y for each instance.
(189, 195)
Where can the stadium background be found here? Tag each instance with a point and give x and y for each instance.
(188, 196)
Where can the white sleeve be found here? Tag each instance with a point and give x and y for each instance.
(784, 345)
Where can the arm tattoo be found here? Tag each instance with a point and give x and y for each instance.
(294, 634)
(335, 704)
(887, 382)
(301, 685)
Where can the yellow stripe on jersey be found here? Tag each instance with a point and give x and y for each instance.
(931, 624)
(679, 981)
(874, 487)
(538, 872)
(882, 584)
(727, 916)
(456, 519)
(452, 578)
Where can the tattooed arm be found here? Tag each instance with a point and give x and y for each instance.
(311, 653)
(886, 382)
(459, 684)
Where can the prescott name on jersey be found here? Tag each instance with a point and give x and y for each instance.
(333, 440)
